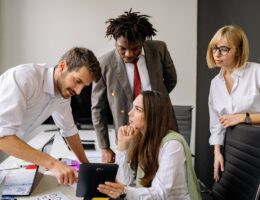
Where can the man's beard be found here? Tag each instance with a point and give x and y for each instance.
(61, 88)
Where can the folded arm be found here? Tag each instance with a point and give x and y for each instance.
(234, 119)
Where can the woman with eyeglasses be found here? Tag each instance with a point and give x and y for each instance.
(154, 161)
(234, 93)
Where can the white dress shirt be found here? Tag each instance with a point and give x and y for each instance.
(143, 72)
(244, 97)
(170, 181)
(27, 99)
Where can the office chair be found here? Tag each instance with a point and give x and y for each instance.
(257, 196)
(241, 177)
(184, 120)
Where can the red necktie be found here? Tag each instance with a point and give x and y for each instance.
(137, 81)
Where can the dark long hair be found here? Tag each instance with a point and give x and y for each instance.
(144, 149)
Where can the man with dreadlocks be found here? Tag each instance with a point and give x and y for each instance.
(121, 81)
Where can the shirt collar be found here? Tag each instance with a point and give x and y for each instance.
(240, 71)
(142, 52)
(237, 73)
(49, 81)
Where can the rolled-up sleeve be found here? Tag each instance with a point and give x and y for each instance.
(216, 129)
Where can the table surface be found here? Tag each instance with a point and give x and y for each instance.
(45, 182)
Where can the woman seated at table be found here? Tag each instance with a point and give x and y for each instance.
(154, 161)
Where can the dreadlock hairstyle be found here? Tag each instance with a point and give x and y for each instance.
(131, 25)
(144, 149)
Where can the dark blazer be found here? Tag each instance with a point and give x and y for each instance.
(113, 89)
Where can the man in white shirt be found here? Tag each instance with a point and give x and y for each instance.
(30, 93)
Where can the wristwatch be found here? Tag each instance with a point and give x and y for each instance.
(123, 194)
(248, 119)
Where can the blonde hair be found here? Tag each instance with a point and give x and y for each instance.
(236, 37)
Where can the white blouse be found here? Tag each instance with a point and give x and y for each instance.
(170, 181)
(244, 97)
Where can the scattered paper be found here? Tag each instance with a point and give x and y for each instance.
(2, 179)
(51, 196)
(9, 166)
(2, 176)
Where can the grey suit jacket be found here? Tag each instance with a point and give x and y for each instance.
(113, 89)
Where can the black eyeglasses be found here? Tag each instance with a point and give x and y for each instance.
(223, 50)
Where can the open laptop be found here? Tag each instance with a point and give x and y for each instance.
(19, 181)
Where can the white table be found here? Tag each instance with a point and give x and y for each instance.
(59, 148)
(45, 182)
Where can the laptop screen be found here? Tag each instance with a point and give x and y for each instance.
(19, 182)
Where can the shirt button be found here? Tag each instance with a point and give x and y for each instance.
(122, 111)
(113, 93)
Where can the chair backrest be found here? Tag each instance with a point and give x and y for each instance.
(241, 176)
(257, 196)
(184, 120)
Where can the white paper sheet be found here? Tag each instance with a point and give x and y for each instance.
(50, 196)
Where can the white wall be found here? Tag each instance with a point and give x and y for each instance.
(41, 31)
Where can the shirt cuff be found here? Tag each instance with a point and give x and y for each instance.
(7, 131)
(217, 139)
(70, 132)
(120, 156)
